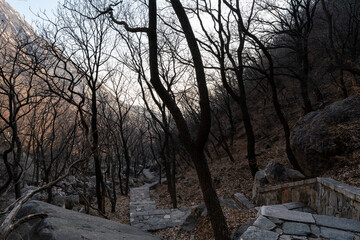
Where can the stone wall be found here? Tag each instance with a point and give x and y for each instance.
(325, 195)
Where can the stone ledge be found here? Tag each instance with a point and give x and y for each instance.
(349, 191)
(325, 195)
(287, 185)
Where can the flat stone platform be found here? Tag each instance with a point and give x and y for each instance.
(297, 221)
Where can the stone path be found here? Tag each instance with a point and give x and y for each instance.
(144, 215)
(296, 221)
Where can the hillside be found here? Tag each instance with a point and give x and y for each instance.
(108, 99)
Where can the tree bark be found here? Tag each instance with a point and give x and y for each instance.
(100, 185)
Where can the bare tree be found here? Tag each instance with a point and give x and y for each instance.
(193, 145)
(120, 104)
(268, 72)
(342, 20)
(291, 23)
(227, 45)
(76, 68)
(17, 98)
(54, 136)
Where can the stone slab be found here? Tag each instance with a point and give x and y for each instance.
(259, 234)
(264, 223)
(285, 237)
(335, 234)
(294, 205)
(243, 201)
(339, 223)
(295, 228)
(283, 213)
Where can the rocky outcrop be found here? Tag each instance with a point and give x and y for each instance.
(273, 173)
(323, 134)
(62, 224)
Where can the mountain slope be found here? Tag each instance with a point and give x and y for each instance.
(11, 22)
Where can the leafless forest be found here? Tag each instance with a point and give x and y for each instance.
(106, 89)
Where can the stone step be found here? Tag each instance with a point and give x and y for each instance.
(243, 201)
(285, 214)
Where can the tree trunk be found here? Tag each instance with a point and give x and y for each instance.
(100, 185)
(17, 171)
(211, 199)
(275, 100)
(195, 148)
(304, 58)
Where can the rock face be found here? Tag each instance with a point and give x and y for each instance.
(320, 135)
(65, 224)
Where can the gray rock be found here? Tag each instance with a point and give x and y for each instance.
(275, 220)
(334, 234)
(283, 213)
(339, 223)
(243, 201)
(240, 230)
(70, 225)
(292, 174)
(260, 177)
(315, 230)
(38, 196)
(294, 228)
(71, 201)
(264, 223)
(259, 235)
(193, 219)
(274, 171)
(299, 238)
(285, 237)
(259, 181)
(325, 133)
(253, 228)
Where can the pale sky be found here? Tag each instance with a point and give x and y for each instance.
(28, 8)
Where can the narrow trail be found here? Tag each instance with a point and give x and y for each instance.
(143, 212)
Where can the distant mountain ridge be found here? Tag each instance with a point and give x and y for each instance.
(12, 23)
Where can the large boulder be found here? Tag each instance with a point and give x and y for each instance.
(323, 134)
(62, 224)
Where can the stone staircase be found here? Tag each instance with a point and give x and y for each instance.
(145, 216)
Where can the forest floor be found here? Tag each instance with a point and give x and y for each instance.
(229, 178)
(234, 177)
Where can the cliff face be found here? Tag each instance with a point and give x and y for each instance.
(11, 22)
